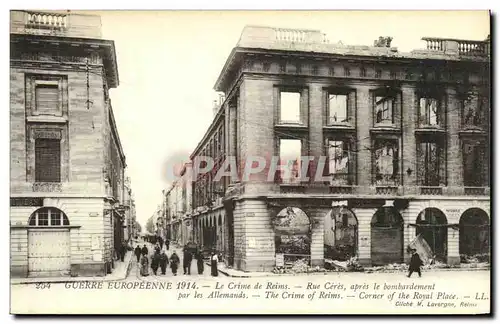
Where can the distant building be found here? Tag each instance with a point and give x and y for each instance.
(67, 163)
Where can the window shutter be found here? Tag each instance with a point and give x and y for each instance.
(326, 167)
(47, 160)
(47, 98)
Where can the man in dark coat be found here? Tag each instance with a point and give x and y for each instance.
(167, 243)
(214, 259)
(123, 251)
(138, 252)
(163, 262)
(199, 262)
(174, 263)
(415, 264)
(145, 250)
(155, 262)
(186, 261)
(160, 240)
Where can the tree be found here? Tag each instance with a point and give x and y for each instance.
(150, 225)
(138, 227)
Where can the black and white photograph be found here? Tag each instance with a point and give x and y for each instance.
(250, 162)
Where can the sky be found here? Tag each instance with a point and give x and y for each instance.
(168, 62)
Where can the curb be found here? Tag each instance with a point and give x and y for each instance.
(71, 279)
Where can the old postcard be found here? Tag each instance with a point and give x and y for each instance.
(250, 162)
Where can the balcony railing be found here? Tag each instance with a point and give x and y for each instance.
(341, 179)
(474, 191)
(433, 191)
(462, 47)
(434, 44)
(473, 48)
(46, 20)
(386, 179)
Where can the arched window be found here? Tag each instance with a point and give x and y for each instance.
(48, 216)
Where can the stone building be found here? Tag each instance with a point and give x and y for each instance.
(400, 141)
(129, 205)
(178, 208)
(67, 163)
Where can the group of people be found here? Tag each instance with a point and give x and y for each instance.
(160, 260)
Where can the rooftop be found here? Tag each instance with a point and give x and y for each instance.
(55, 23)
(314, 41)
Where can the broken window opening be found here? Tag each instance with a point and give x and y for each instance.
(386, 162)
(339, 157)
(290, 155)
(384, 107)
(290, 107)
(337, 108)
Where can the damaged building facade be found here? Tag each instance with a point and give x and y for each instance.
(406, 137)
(67, 164)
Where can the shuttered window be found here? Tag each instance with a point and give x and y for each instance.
(47, 160)
(47, 98)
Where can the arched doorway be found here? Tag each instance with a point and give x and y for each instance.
(293, 235)
(474, 235)
(48, 243)
(340, 234)
(387, 237)
(432, 226)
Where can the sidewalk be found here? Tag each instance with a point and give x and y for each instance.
(243, 274)
(120, 272)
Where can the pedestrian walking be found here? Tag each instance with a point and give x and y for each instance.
(199, 262)
(186, 261)
(157, 248)
(155, 262)
(163, 262)
(144, 250)
(160, 240)
(174, 263)
(214, 259)
(138, 253)
(415, 264)
(167, 243)
(144, 265)
(123, 251)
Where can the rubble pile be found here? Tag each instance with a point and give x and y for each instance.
(300, 266)
(477, 258)
(353, 265)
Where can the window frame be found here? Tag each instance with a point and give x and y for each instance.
(48, 211)
(350, 94)
(32, 81)
(479, 102)
(280, 108)
(483, 159)
(351, 163)
(299, 175)
(440, 99)
(422, 175)
(395, 178)
(59, 169)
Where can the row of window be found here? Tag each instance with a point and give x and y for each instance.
(386, 162)
(340, 107)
